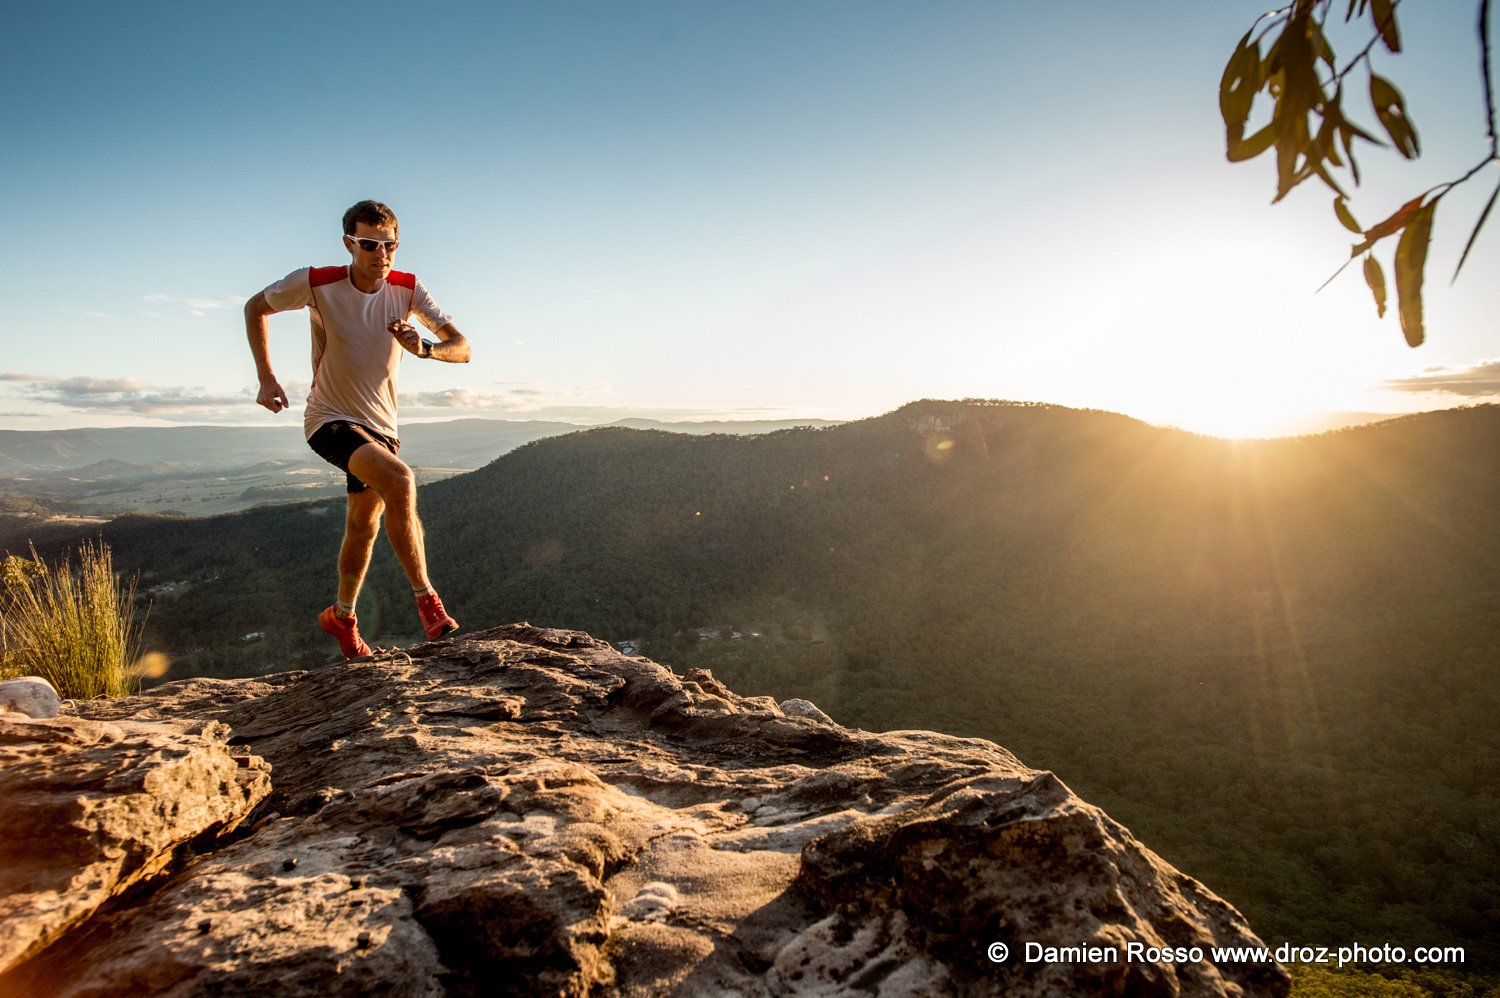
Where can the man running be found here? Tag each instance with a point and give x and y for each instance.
(359, 329)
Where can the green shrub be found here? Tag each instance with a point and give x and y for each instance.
(76, 629)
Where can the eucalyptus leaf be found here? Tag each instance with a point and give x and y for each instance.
(1475, 234)
(1346, 218)
(1323, 48)
(1394, 224)
(1346, 136)
(1375, 278)
(1411, 262)
(1243, 149)
(1390, 108)
(1241, 81)
(1383, 13)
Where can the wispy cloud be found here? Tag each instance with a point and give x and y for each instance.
(128, 396)
(506, 396)
(513, 400)
(1478, 380)
(128, 399)
(197, 306)
(80, 387)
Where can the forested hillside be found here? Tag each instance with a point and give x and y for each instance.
(1278, 662)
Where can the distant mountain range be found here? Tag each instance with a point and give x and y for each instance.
(204, 470)
(1279, 661)
(456, 443)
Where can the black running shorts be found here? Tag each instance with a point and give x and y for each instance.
(337, 441)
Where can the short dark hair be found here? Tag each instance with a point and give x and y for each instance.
(371, 213)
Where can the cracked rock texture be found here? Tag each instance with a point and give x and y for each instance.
(527, 811)
(90, 808)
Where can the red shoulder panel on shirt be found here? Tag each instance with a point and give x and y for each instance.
(320, 276)
(402, 279)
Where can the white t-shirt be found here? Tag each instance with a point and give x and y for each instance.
(354, 356)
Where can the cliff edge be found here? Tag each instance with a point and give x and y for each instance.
(528, 811)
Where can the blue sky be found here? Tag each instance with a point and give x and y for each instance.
(715, 209)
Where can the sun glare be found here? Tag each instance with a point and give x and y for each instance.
(1213, 385)
(1240, 403)
(1242, 424)
(1176, 333)
(1233, 382)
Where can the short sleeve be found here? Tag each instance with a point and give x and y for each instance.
(292, 292)
(427, 310)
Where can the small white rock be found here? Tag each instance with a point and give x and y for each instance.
(804, 708)
(30, 695)
(652, 903)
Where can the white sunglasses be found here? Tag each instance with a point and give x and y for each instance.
(371, 245)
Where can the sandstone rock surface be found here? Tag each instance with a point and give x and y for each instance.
(528, 811)
(90, 808)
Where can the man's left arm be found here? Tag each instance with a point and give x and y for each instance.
(451, 345)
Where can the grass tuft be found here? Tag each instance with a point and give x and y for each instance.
(74, 628)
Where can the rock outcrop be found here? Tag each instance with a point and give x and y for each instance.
(88, 809)
(527, 811)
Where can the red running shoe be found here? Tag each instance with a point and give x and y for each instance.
(346, 629)
(435, 620)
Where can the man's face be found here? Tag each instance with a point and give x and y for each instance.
(375, 263)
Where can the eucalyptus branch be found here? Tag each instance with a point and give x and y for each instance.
(1302, 77)
(1444, 188)
(1272, 18)
(1494, 156)
(1484, 68)
(1364, 53)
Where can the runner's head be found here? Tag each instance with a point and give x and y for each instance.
(370, 236)
(372, 213)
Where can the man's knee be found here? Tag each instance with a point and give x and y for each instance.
(386, 474)
(363, 515)
(398, 486)
(362, 526)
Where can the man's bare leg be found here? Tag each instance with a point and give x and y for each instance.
(394, 484)
(361, 525)
(389, 477)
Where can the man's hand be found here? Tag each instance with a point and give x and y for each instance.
(450, 346)
(272, 396)
(406, 334)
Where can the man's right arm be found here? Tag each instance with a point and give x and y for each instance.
(257, 329)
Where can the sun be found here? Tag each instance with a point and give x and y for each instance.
(1243, 424)
(1213, 365)
(1237, 394)
(1227, 385)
